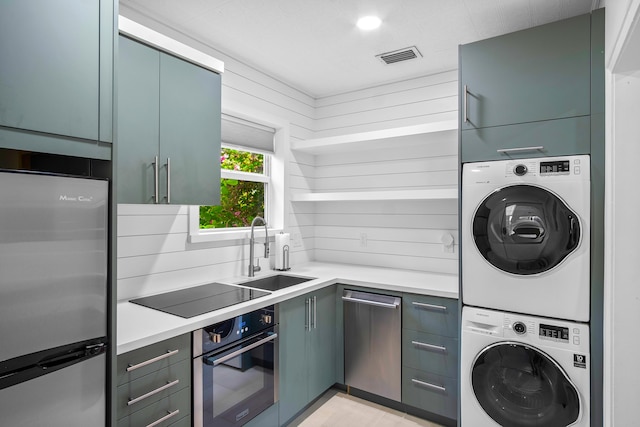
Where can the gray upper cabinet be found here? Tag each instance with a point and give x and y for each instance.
(168, 128)
(56, 72)
(512, 86)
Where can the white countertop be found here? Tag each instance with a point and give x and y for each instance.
(140, 326)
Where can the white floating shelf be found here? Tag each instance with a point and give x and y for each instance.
(386, 138)
(430, 194)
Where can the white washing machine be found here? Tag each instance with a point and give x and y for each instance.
(525, 236)
(523, 371)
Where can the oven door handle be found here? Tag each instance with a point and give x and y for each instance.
(244, 350)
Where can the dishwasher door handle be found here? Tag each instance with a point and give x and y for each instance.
(395, 304)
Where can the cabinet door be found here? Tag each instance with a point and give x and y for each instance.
(189, 132)
(322, 345)
(138, 121)
(541, 73)
(293, 359)
(49, 72)
(548, 138)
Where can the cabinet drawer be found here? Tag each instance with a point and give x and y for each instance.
(170, 410)
(430, 392)
(434, 315)
(154, 386)
(138, 363)
(431, 353)
(562, 137)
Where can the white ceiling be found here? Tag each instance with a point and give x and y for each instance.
(315, 47)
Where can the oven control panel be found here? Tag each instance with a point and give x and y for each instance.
(234, 329)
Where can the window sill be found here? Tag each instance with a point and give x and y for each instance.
(242, 234)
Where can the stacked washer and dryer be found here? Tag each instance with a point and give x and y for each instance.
(525, 292)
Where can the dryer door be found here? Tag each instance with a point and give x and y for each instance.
(521, 386)
(524, 229)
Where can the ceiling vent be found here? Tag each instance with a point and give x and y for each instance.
(400, 55)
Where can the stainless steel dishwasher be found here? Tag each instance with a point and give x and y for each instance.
(372, 343)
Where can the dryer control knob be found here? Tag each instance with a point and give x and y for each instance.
(520, 170)
(519, 328)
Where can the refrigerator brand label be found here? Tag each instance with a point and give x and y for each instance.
(66, 198)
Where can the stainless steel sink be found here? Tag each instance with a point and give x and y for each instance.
(275, 283)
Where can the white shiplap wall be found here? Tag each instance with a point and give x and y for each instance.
(154, 254)
(395, 234)
(426, 99)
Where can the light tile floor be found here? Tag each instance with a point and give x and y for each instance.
(337, 409)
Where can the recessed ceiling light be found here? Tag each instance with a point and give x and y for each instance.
(369, 23)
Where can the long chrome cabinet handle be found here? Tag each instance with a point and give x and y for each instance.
(429, 385)
(516, 150)
(168, 179)
(156, 191)
(464, 104)
(152, 392)
(430, 306)
(429, 346)
(368, 302)
(307, 319)
(169, 353)
(165, 418)
(244, 350)
(315, 312)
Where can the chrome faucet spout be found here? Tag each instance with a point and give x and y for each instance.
(254, 268)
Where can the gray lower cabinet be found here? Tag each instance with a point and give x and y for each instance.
(154, 385)
(168, 128)
(56, 72)
(307, 346)
(430, 354)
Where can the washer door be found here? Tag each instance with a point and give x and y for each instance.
(523, 229)
(521, 386)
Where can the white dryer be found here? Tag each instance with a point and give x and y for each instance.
(523, 371)
(525, 236)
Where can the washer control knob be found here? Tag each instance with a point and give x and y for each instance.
(519, 328)
(520, 170)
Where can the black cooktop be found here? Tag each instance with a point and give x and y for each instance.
(198, 300)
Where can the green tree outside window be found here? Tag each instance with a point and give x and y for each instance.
(240, 201)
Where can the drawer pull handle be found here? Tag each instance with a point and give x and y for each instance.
(152, 392)
(515, 150)
(429, 346)
(430, 306)
(165, 418)
(169, 353)
(429, 385)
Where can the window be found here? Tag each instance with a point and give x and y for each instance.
(247, 168)
(244, 180)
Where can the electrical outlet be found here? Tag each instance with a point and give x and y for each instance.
(363, 240)
(297, 240)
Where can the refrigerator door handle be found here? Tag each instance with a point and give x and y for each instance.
(63, 359)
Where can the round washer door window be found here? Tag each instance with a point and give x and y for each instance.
(520, 386)
(523, 229)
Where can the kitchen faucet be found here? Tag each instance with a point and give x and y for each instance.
(254, 268)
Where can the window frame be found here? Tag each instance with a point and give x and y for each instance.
(274, 191)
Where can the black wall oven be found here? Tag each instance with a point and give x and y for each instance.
(235, 369)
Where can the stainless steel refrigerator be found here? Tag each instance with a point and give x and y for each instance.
(53, 300)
